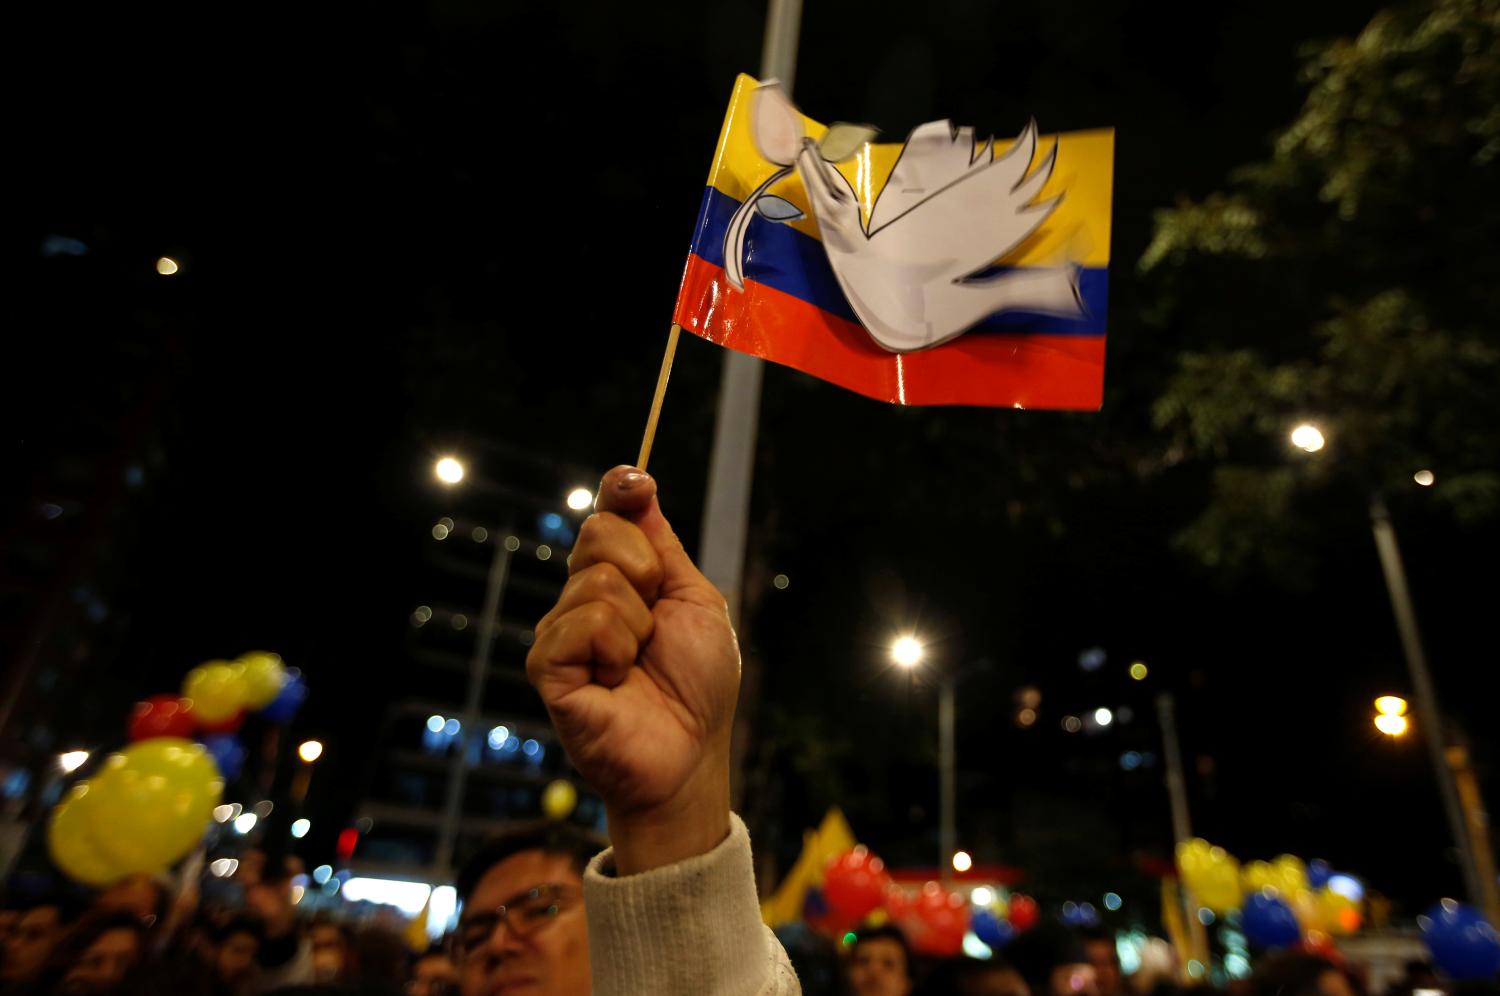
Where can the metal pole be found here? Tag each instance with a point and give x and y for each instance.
(946, 832)
(726, 506)
(458, 765)
(726, 512)
(1182, 830)
(1423, 693)
(1479, 828)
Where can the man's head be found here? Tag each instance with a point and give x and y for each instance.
(880, 963)
(1099, 946)
(237, 945)
(433, 974)
(36, 932)
(1052, 960)
(522, 926)
(330, 951)
(98, 953)
(1296, 973)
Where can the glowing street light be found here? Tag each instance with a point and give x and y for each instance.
(962, 862)
(1391, 725)
(1308, 437)
(300, 828)
(167, 266)
(580, 499)
(907, 652)
(70, 761)
(1103, 717)
(1424, 477)
(1390, 705)
(449, 470)
(310, 751)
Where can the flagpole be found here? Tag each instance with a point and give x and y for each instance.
(662, 376)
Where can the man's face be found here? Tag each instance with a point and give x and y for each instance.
(237, 956)
(434, 975)
(31, 942)
(327, 952)
(541, 947)
(1074, 980)
(103, 965)
(1106, 962)
(878, 968)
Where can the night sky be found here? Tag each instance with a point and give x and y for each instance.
(404, 225)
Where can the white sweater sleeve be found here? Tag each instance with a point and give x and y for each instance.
(688, 929)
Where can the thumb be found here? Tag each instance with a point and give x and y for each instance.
(631, 494)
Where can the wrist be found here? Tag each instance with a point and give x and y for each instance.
(693, 822)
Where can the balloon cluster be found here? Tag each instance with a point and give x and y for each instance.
(1463, 944)
(148, 805)
(857, 889)
(1279, 901)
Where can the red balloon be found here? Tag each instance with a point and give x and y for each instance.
(230, 725)
(936, 921)
(162, 716)
(854, 883)
(1023, 911)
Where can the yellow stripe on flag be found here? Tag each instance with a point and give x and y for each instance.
(1078, 231)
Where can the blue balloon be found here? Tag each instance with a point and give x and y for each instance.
(814, 906)
(1318, 873)
(287, 701)
(1268, 922)
(228, 754)
(990, 929)
(1463, 944)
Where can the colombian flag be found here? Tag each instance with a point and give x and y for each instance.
(793, 312)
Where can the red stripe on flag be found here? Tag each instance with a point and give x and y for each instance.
(1022, 371)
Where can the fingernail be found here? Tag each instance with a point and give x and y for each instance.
(631, 480)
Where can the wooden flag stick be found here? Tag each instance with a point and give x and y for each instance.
(661, 392)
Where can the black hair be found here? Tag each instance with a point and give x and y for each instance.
(884, 932)
(241, 923)
(1291, 973)
(563, 839)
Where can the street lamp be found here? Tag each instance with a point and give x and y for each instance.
(449, 470)
(1308, 438)
(1475, 857)
(580, 499)
(1390, 715)
(310, 750)
(907, 652)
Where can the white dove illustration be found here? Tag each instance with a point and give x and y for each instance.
(948, 211)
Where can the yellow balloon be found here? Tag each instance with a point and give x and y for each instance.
(71, 843)
(217, 690)
(1192, 856)
(1218, 885)
(154, 800)
(1291, 874)
(559, 798)
(263, 678)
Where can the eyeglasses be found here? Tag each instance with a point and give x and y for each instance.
(523, 914)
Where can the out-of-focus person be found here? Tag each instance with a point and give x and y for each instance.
(1297, 973)
(972, 977)
(433, 973)
(38, 927)
(146, 898)
(1052, 960)
(236, 948)
(1104, 956)
(880, 962)
(103, 954)
(332, 960)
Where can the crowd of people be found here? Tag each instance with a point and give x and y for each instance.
(639, 669)
(142, 936)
